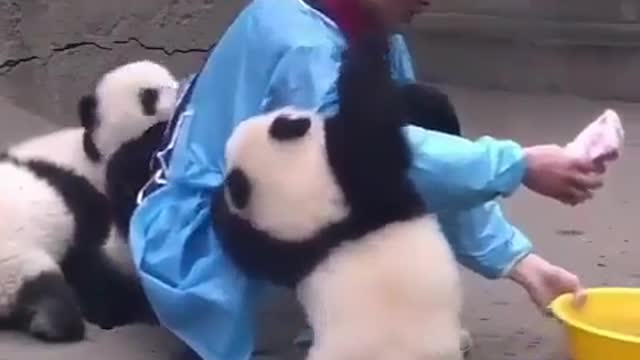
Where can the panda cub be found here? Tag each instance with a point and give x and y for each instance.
(53, 212)
(124, 120)
(325, 205)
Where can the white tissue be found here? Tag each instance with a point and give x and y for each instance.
(600, 141)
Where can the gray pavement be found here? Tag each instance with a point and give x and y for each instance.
(595, 240)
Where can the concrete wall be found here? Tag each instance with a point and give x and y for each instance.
(51, 51)
(568, 10)
(585, 47)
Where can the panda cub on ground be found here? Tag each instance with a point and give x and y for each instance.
(53, 212)
(124, 121)
(325, 205)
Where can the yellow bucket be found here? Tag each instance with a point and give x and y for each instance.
(606, 328)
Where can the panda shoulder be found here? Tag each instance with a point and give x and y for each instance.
(51, 145)
(62, 148)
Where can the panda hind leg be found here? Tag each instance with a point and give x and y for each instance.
(47, 309)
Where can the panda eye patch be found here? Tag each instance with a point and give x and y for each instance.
(239, 188)
(284, 128)
(148, 100)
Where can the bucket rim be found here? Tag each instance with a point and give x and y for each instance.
(556, 308)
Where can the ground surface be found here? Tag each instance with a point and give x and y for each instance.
(596, 240)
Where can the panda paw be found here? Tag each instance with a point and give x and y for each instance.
(47, 309)
(50, 324)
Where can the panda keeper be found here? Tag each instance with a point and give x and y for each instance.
(287, 52)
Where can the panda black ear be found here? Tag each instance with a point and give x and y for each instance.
(239, 188)
(284, 128)
(87, 107)
(149, 100)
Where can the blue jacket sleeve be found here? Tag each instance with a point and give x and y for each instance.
(305, 77)
(454, 173)
(459, 180)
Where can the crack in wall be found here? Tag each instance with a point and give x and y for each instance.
(10, 64)
(161, 48)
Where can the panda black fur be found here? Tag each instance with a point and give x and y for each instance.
(127, 173)
(430, 108)
(133, 103)
(119, 300)
(54, 216)
(326, 206)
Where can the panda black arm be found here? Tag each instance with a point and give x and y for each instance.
(127, 172)
(367, 136)
(431, 109)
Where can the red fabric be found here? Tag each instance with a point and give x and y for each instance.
(350, 16)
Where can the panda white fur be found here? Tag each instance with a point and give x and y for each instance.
(54, 212)
(325, 205)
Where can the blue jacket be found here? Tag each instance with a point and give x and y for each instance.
(276, 53)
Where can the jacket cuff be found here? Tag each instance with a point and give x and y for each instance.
(498, 261)
(509, 178)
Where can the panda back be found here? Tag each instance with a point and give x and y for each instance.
(50, 207)
(33, 214)
(64, 149)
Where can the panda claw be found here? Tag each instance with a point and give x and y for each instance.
(53, 328)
